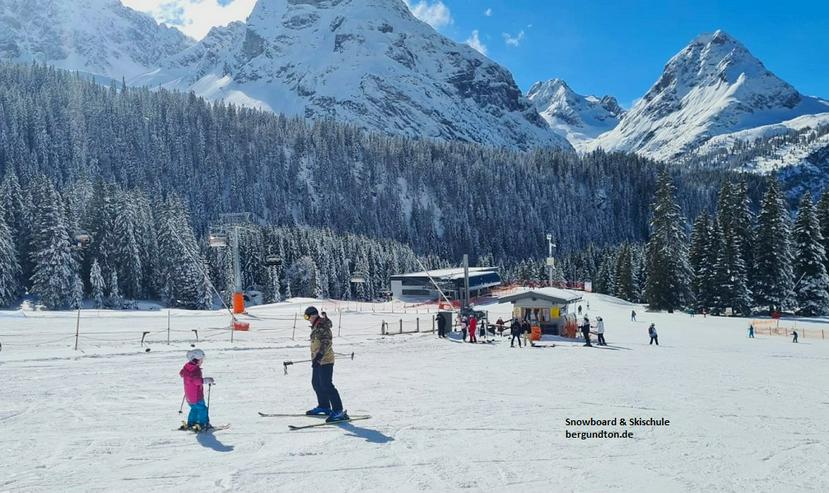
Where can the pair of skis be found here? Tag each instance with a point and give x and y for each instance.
(315, 425)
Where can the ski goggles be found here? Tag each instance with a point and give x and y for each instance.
(307, 317)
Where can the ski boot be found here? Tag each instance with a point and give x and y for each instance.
(184, 426)
(318, 411)
(338, 416)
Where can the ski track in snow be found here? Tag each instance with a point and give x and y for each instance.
(746, 415)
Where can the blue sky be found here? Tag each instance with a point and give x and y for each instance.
(598, 46)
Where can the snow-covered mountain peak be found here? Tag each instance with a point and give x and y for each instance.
(101, 37)
(713, 86)
(368, 62)
(577, 118)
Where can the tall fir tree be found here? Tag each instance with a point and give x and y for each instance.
(773, 275)
(624, 274)
(9, 265)
(55, 270)
(823, 220)
(698, 259)
(96, 281)
(668, 285)
(731, 281)
(812, 286)
(17, 210)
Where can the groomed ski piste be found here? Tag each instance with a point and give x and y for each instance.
(745, 414)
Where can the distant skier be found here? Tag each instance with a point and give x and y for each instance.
(794, 334)
(194, 383)
(515, 331)
(322, 369)
(600, 331)
(473, 329)
(751, 331)
(653, 334)
(464, 326)
(579, 310)
(585, 331)
(499, 325)
(441, 326)
(633, 315)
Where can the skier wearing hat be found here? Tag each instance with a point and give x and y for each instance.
(194, 391)
(322, 364)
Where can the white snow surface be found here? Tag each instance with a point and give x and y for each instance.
(745, 414)
(714, 86)
(579, 119)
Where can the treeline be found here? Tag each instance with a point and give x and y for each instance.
(112, 245)
(445, 199)
(734, 258)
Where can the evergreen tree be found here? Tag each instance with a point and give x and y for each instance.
(17, 212)
(773, 276)
(731, 281)
(115, 300)
(698, 261)
(667, 251)
(55, 270)
(9, 266)
(812, 288)
(96, 280)
(823, 220)
(624, 274)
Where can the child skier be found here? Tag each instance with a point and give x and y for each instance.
(194, 384)
(653, 334)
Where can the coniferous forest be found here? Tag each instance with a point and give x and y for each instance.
(108, 193)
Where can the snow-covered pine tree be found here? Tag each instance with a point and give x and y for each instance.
(823, 220)
(17, 209)
(115, 301)
(730, 273)
(55, 269)
(668, 285)
(9, 266)
(624, 274)
(742, 227)
(274, 285)
(812, 287)
(698, 260)
(96, 280)
(126, 258)
(180, 261)
(773, 276)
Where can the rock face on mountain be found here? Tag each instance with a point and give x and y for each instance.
(368, 62)
(99, 37)
(712, 87)
(577, 118)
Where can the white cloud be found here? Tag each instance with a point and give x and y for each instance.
(514, 41)
(475, 42)
(488, 12)
(194, 17)
(435, 14)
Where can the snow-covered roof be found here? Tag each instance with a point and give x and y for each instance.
(447, 274)
(555, 295)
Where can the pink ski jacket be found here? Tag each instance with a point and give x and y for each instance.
(193, 383)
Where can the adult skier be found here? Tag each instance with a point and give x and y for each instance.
(322, 369)
(794, 334)
(194, 383)
(525, 329)
(585, 331)
(653, 334)
(515, 331)
(473, 328)
(751, 331)
(633, 315)
(600, 331)
(441, 326)
(499, 325)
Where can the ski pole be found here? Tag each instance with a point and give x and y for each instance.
(182, 404)
(285, 364)
(350, 356)
(209, 388)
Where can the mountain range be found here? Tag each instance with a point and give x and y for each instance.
(373, 64)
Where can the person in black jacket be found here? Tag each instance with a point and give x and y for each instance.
(526, 329)
(653, 334)
(515, 331)
(585, 331)
(441, 325)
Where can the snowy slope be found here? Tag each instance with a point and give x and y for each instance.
(100, 37)
(746, 415)
(783, 152)
(577, 118)
(368, 62)
(714, 86)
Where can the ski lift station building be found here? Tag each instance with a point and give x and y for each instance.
(550, 308)
(418, 285)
